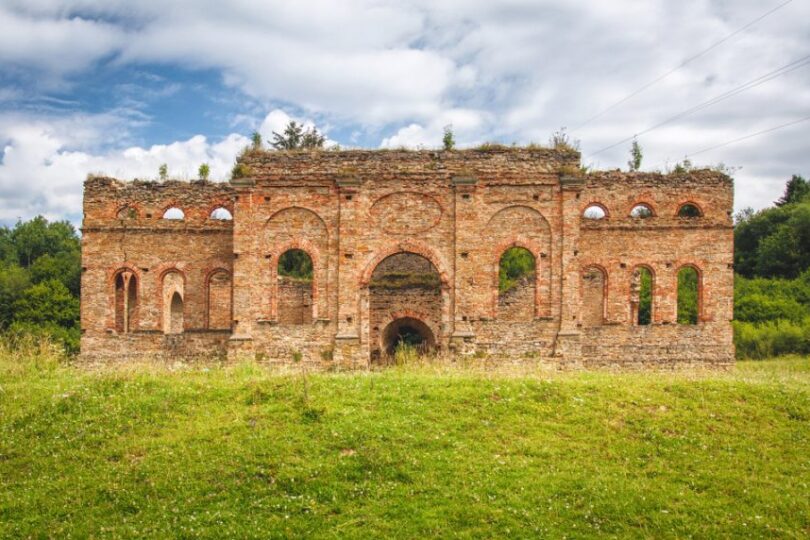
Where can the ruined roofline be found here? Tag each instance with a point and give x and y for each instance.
(484, 149)
(704, 176)
(110, 181)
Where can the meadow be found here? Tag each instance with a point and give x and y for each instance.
(410, 451)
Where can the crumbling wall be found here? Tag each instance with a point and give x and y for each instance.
(459, 211)
(123, 231)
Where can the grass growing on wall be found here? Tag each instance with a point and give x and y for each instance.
(406, 452)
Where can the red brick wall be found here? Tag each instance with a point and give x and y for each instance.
(460, 210)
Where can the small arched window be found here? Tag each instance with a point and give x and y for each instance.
(595, 212)
(594, 289)
(295, 287)
(174, 213)
(516, 285)
(173, 291)
(688, 295)
(641, 290)
(641, 211)
(126, 301)
(689, 210)
(221, 213)
(126, 213)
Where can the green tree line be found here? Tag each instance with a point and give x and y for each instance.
(40, 273)
(772, 286)
(40, 270)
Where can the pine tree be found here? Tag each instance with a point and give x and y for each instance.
(796, 189)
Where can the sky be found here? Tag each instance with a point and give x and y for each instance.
(118, 87)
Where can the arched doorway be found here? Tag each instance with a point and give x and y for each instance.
(407, 331)
(405, 305)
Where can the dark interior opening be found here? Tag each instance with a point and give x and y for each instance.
(410, 332)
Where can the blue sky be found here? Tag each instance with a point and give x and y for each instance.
(118, 87)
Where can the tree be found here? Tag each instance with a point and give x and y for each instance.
(204, 171)
(796, 190)
(37, 237)
(291, 139)
(515, 264)
(64, 267)
(47, 302)
(636, 156)
(312, 139)
(13, 281)
(163, 171)
(449, 140)
(256, 140)
(295, 137)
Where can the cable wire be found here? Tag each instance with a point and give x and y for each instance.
(753, 83)
(679, 66)
(750, 135)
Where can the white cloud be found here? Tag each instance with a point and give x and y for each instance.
(42, 171)
(45, 160)
(507, 71)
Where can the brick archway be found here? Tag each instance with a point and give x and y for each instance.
(389, 299)
(318, 272)
(409, 246)
(536, 252)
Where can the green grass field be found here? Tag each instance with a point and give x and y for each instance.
(407, 452)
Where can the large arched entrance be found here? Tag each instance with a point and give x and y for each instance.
(407, 331)
(405, 304)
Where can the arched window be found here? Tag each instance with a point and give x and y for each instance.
(295, 279)
(126, 301)
(127, 213)
(641, 211)
(641, 292)
(688, 295)
(174, 213)
(219, 300)
(405, 305)
(594, 287)
(516, 285)
(689, 210)
(222, 214)
(172, 295)
(595, 212)
(176, 314)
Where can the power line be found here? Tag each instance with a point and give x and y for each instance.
(679, 66)
(753, 83)
(750, 135)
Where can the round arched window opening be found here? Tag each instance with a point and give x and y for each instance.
(689, 210)
(594, 212)
(641, 211)
(174, 214)
(407, 332)
(221, 214)
(295, 288)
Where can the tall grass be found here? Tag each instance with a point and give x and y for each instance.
(25, 354)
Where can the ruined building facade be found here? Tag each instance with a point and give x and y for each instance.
(410, 241)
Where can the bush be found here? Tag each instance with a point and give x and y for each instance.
(771, 338)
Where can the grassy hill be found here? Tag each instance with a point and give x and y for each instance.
(408, 452)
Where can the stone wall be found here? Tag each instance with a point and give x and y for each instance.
(355, 212)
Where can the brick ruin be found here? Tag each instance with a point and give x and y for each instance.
(410, 242)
